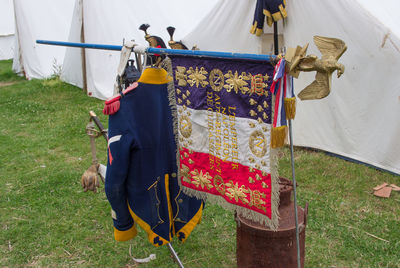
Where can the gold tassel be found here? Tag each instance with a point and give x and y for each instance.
(278, 136)
(290, 107)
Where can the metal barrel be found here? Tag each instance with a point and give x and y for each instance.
(258, 246)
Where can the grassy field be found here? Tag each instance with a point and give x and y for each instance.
(47, 220)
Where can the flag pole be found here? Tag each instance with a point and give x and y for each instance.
(294, 193)
(175, 255)
(276, 50)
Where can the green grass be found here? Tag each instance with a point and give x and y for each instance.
(47, 220)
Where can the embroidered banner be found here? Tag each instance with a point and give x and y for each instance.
(224, 121)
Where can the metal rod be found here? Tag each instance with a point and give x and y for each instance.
(175, 255)
(294, 192)
(152, 50)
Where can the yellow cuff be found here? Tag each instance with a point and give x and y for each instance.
(125, 235)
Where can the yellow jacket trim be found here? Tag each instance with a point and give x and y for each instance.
(281, 14)
(188, 228)
(150, 234)
(169, 204)
(125, 235)
(156, 76)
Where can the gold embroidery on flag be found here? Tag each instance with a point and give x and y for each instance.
(185, 126)
(217, 79)
(202, 180)
(257, 84)
(236, 82)
(236, 192)
(180, 76)
(197, 76)
(258, 143)
(256, 201)
(185, 173)
(219, 184)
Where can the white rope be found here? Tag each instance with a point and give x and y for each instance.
(123, 60)
(144, 260)
(140, 49)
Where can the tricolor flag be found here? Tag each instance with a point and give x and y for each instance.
(279, 125)
(224, 121)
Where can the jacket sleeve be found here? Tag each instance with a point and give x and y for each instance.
(118, 151)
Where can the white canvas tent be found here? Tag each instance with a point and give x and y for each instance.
(109, 22)
(40, 19)
(226, 28)
(6, 29)
(359, 119)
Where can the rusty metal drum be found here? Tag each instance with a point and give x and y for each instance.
(258, 246)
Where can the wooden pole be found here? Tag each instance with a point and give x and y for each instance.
(83, 52)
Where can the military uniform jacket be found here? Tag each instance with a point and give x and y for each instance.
(141, 180)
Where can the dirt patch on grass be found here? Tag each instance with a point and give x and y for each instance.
(4, 84)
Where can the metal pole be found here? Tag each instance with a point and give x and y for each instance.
(276, 50)
(152, 50)
(175, 255)
(294, 192)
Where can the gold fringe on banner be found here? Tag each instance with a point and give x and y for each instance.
(290, 107)
(278, 136)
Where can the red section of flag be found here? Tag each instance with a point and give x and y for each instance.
(236, 183)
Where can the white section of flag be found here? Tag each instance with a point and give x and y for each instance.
(199, 140)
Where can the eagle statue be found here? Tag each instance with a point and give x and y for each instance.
(331, 49)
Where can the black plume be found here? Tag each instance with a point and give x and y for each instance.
(144, 27)
(171, 31)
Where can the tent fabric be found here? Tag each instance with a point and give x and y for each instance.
(226, 28)
(6, 29)
(72, 64)
(359, 119)
(119, 20)
(51, 21)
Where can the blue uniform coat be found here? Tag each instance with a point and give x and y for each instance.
(141, 180)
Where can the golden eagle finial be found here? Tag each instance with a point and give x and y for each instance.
(331, 49)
